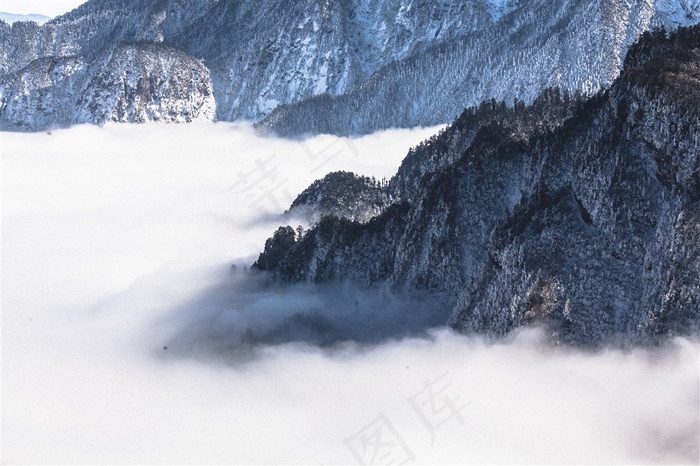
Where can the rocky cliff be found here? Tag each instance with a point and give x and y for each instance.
(127, 83)
(584, 218)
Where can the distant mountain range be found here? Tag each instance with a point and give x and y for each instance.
(337, 66)
(578, 215)
(10, 18)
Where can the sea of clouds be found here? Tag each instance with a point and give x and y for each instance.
(128, 337)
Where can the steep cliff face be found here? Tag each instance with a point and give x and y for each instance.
(354, 66)
(147, 82)
(130, 83)
(261, 54)
(588, 224)
(296, 50)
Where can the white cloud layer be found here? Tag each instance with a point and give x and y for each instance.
(117, 241)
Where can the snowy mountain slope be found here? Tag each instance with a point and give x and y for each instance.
(290, 52)
(154, 83)
(23, 42)
(42, 94)
(129, 83)
(343, 194)
(301, 49)
(585, 220)
(94, 27)
(677, 12)
(348, 66)
(574, 45)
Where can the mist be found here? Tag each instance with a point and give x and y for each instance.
(128, 337)
(52, 8)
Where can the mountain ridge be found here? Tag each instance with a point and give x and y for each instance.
(10, 18)
(322, 66)
(590, 227)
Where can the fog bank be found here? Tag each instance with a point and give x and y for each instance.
(117, 243)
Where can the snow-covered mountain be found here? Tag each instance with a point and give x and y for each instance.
(678, 12)
(10, 18)
(575, 45)
(582, 216)
(344, 66)
(128, 83)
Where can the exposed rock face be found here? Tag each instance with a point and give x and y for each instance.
(129, 83)
(146, 82)
(350, 66)
(584, 219)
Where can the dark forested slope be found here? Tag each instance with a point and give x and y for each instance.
(582, 216)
